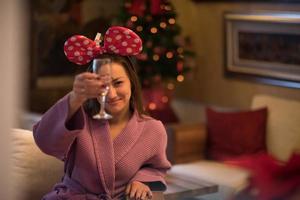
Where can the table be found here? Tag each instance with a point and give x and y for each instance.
(182, 186)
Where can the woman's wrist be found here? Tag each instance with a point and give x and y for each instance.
(75, 100)
(75, 103)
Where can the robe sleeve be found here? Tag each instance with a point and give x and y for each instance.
(154, 171)
(53, 134)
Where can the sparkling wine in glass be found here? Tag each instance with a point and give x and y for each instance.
(102, 67)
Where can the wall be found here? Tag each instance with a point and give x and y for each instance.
(13, 61)
(203, 22)
(92, 9)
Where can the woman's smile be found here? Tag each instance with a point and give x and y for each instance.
(114, 102)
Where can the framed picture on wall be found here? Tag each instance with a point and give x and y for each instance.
(253, 1)
(52, 22)
(263, 46)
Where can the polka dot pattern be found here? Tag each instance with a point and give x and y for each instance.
(80, 50)
(117, 40)
(122, 41)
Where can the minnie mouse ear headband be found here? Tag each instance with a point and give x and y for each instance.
(117, 40)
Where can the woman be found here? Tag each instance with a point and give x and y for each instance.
(108, 159)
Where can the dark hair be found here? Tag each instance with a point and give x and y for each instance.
(92, 106)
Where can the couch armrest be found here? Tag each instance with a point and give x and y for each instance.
(186, 142)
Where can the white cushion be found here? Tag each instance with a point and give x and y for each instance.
(183, 109)
(226, 176)
(34, 173)
(283, 125)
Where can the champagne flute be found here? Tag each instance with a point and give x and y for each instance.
(102, 67)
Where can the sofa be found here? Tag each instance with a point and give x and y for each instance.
(188, 143)
(34, 173)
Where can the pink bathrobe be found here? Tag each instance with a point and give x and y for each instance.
(97, 166)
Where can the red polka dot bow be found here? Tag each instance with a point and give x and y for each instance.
(117, 40)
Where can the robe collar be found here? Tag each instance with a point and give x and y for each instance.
(128, 137)
(109, 152)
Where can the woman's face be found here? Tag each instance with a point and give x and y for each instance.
(118, 97)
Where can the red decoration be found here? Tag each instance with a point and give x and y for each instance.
(157, 103)
(235, 133)
(179, 66)
(273, 179)
(117, 40)
(138, 7)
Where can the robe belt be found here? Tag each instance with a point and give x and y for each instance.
(78, 191)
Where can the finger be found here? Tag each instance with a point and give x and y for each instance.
(139, 192)
(93, 92)
(86, 86)
(82, 91)
(92, 82)
(149, 194)
(128, 188)
(86, 81)
(133, 190)
(90, 89)
(79, 89)
(144, 195)
(88, 75)
(79, 84)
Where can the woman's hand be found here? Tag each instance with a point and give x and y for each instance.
(137, 190)
(85, 86)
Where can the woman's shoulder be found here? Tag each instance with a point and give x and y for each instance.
(152, 124)
(148, 119)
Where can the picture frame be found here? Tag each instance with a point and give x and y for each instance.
(247, 1)
(263, 46)
(51, 23)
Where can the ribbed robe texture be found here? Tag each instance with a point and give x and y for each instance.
(98, 166)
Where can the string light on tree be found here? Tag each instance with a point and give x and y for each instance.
(169, 54)
(170, 86)
(152, 106)
(155, 57)
(163, 63)
(163, 25)
(171, 21)
(153, 30)
(139, 28)
(180, 50)
(133, 18)
(165, 99)
(163, 54)
(180, 78)
(168, 8)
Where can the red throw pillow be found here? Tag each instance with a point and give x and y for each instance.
(232, 134)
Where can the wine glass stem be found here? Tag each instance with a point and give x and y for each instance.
(102, 103)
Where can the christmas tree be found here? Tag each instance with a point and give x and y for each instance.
(163, 56)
